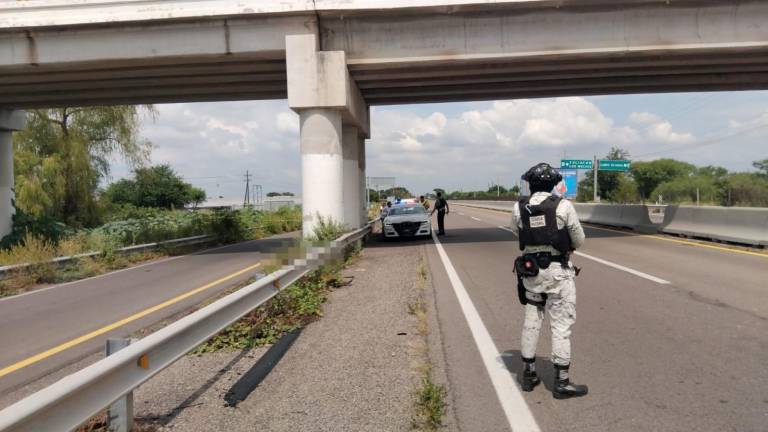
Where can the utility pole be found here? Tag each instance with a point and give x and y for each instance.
(595, 183)
(697, 197)
(247, 199)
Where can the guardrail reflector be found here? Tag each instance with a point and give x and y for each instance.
(143, 361)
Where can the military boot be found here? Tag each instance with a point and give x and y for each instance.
(563, 388)
(529, 379)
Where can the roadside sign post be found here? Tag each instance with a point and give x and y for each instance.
(594, 186)
(609, 165)
(596, 166)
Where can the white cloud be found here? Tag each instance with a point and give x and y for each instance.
(659, 131)
(443, 145)
(213, 144)
(758, 121)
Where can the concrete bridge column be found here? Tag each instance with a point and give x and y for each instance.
(361, 177)
(322, 175)
(10, 121)
(332, 114)
(351, 188)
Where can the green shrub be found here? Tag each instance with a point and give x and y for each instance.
(327, 230)
(229, 227)
(43, 226)
(292, 308)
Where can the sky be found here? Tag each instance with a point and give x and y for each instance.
(459, 146)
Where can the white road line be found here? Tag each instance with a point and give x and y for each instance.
(614, 265)
(622, 268)
(512, 402)
(474, 218)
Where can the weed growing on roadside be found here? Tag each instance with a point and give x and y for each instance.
(327, 230)
(429, 402)
(430, 405)
(292, 308)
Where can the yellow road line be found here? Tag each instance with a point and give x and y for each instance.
(74, 342)
(685, 242)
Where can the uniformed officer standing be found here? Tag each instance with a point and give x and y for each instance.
(441, 207)
(549, 230)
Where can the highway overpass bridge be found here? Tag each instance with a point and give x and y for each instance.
(332, 59)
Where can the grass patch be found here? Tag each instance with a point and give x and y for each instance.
(292, 308)
(430, 405)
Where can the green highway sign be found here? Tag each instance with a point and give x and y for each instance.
(576, 164)
(613, 165)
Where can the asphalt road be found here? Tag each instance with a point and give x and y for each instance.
(47, 329)
(669, 336)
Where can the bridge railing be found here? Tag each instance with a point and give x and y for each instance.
(74, 399)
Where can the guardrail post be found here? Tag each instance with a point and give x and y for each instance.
(120, 413)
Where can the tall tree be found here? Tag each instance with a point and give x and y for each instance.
(648, 175)
(158, 186)
(761, 166)
(64, 153)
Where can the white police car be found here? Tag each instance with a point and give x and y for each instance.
(408, 220)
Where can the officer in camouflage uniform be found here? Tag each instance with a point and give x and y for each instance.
(549, 230)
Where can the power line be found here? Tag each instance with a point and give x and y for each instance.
(704, 143)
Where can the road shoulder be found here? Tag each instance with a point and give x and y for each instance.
(355, 369)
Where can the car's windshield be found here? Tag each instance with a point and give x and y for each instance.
(394, 211)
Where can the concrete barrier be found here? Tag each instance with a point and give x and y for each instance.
(505, 206)
(634, 217)
(745, 225)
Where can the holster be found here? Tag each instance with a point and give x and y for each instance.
(527, 266)
(521, 290)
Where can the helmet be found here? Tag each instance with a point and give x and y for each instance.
(542, 173)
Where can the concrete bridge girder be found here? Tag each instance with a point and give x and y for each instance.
(458, 50)
(334, 58)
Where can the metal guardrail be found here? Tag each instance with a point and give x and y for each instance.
(6, 271)
(74, 399)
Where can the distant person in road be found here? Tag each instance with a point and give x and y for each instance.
(549, 230)
(423, 201)
(384, 212)
(441, 207)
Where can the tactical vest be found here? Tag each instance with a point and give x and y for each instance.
(540, 225)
